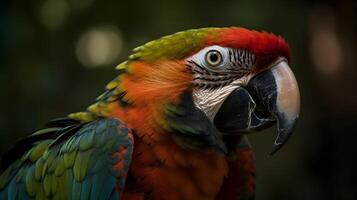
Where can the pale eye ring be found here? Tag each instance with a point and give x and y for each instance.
(213, 58)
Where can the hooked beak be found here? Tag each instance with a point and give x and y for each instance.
(270, 97)
(277, 90)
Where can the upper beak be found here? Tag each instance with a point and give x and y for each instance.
(277, 90)
(270, 96)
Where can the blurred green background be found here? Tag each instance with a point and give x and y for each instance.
(57, 55)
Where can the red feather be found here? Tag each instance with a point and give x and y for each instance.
(266, 46)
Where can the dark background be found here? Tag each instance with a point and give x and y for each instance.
(57, 55)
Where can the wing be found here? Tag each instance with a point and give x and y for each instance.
(70, 160)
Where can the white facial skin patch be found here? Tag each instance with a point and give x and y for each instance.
(211, 100)
(225, 71)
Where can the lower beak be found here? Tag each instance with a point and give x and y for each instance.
(270, 96)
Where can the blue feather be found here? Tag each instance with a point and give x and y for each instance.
(12, 190)
(76, 189)
(86, 187)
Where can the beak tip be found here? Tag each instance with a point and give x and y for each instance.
(283, 136)
(275, 149)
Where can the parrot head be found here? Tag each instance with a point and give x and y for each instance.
(210, 81)
(244, 83)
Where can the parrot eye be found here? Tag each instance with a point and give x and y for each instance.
(213, 58)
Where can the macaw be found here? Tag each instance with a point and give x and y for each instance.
(172, 125)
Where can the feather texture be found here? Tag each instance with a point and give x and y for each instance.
(82, 166)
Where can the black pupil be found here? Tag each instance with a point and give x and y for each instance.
(214, 57)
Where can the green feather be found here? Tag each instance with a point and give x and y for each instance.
(38, 169)
(86, 142)
(54, 184)
(59, 168)
(81, 165)
(47, 130)
(30, 181)
(173, 46)
(62, 186)
(69, 159)
(47, 184)
(71, 144)
(51, 161)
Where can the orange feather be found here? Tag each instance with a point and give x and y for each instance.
(161, 167)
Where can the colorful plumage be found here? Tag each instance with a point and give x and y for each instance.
(171, 125)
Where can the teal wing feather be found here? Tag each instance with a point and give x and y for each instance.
(69, 160)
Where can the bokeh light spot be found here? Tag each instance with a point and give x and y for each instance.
(326, 52)
(54, 13)
(325, 46)
(99, 47)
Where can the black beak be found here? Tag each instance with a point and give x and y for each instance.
(270, 97)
